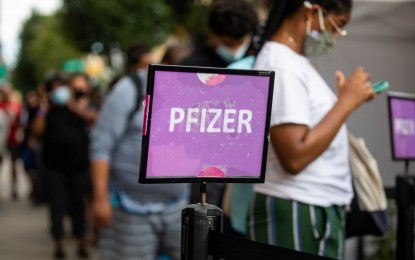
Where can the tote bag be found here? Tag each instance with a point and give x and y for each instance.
(367, 214)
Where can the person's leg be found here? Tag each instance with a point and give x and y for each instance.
(76, 206)
(1, 163)
(129, 237)
(170, 241)
(289, 224)
(333, 243)
(56, 200)
(40, 187)
(271, 222)
(13, 150)
(27, 156)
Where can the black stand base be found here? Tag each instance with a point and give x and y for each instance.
(197, 221)
(405, 200)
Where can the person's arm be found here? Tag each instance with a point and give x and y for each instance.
(108, 130)
(298, 145)
(37, 127)
(101, 207)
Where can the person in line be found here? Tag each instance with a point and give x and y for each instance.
(231, 26)
(175, 54)
(301, 205)
(137, 221)
(29, 142)
(4, 124)
(63, 121)
(12, 105)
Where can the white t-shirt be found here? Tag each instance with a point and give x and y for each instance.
(301, 96)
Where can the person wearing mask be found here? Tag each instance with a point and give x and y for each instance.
(231, 26)
(301, 205)
(63, 123)
(137, 221)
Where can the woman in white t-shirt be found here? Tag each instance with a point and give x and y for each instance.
(308, 182)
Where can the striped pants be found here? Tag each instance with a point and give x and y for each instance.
(297, 226)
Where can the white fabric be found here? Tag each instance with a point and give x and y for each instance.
(366, 177)
(301, 96)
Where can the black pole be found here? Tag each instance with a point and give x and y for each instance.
(197, 220)
(406, 167)
(405, 197)
(203, 193)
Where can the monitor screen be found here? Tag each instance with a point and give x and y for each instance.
(402, 125)
(205, 125)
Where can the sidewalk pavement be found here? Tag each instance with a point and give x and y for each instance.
(24, 228)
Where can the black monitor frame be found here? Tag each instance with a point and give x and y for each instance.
(148, 118)
(403, 96)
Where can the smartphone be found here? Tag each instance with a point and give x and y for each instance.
(380, 86)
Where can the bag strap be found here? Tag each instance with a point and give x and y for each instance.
(139, 89)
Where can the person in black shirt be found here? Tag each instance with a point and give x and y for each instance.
(63, 121)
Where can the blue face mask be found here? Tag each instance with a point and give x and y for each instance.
(60, 96)
(228, 55)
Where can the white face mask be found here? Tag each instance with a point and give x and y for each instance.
(60, 96)
(228, 55)
(318, 43)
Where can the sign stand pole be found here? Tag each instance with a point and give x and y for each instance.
(405, 201)
(203, 193)
(197, 220)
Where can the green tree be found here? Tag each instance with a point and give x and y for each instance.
(191, 15)
(44, 47)
(46, 41)
(117, 22)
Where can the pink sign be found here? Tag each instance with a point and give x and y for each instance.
(402, 118)
(206, 125)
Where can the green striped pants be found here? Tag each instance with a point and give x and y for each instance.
(297, 226)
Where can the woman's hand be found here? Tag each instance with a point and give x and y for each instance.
(355, 90)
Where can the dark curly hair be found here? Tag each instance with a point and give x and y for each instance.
(234, 18)
(55, 80)
(134, 53)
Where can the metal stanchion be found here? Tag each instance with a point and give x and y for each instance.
(197, 220)
(405, 201)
